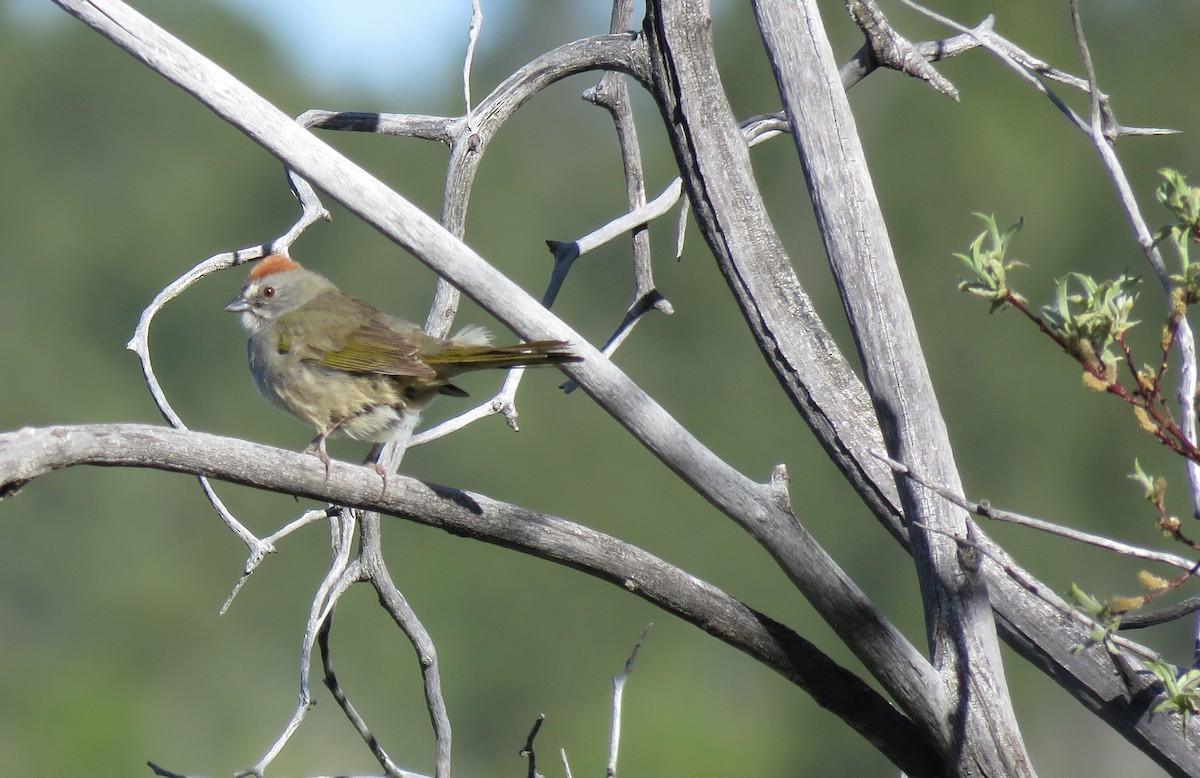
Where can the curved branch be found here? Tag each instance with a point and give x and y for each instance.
(376, 572)
(1032, 627)
(469, 137)
(887, 48)
(761, 510)
(833, 401)
(33, 452)
(409, 125)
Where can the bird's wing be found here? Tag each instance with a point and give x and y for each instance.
(372, 347)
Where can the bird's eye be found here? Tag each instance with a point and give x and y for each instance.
(267, 292)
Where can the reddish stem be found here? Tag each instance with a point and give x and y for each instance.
(1165, 429)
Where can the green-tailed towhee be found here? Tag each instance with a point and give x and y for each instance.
(342, 365)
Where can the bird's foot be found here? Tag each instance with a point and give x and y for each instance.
(317, 449)
(373, 460)
(382, 471)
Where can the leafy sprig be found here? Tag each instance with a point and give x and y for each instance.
(1089, 320)
(1183, 203)
(989, 265)
(1181, 691)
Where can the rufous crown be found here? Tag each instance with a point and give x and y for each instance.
(276, 263)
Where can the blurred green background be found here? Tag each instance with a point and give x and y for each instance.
(114, 182)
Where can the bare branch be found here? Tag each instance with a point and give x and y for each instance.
(341, 576)
(352, 714)
(140, 345)
(469, 136)
(390, 598)
(528, 750)
(618, 681)
(984, 509)
(715, 160)
(1162, 615)
(887, 48)
(961, 633)
(754, 507)
(763, 510)
(1102, 129)
(1184, 338)
(269, 542)
(504, 403)
(472, 40)
(1028, 67)
(438, 128)
(612, 94)
(31, 453)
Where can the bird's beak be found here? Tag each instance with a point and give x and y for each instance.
(238, 305)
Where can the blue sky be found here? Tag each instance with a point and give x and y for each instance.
(372, 42)
(341, 42)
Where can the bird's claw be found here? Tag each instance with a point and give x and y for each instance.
(382, 471)
(317, 449)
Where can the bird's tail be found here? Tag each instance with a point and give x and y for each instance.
(461, 358)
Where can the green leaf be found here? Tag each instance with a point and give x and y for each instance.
(1143, 480)
(988, 265)
(1183, 203)
(1092, 319)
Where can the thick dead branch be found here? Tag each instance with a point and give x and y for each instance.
(717, 172)
(887, 48)
(32, 453)
(756, 508)
(1027, 623)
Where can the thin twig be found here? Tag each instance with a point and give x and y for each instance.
(472, 40)
(1185, 340)
(887, 48)
(352, 715)
(528, 750)
(255, 559)
(394, 603)
(635, 314)
(503, 402)
(1021, 577)
(566, 252)
(984, 509)
(341, 575)
(1102, 130)
(618, 682)
(139, 343)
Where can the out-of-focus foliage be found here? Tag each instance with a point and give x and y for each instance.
(114, 182)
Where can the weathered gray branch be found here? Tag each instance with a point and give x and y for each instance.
(813, 374)
(31, 453)
(837, 408)
(762, 510)
(983, 731)
(716, 169)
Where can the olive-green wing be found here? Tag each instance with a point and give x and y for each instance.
(321, 337)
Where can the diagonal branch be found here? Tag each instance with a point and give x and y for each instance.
(762, 510)
(887, 48)
(1024, 620)
(958, 616)
(837, 408)
(31, 453)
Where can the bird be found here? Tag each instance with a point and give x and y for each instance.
(341, 365)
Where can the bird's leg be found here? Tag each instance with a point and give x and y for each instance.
(317, 449)
(373, 460)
